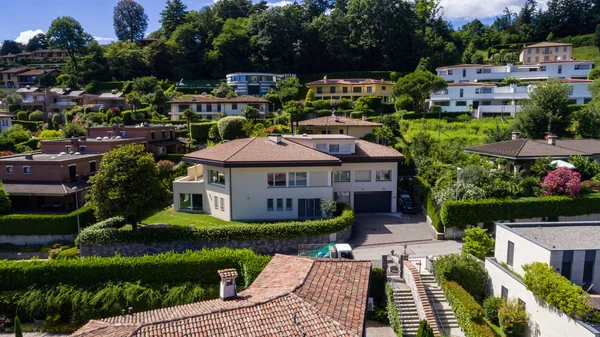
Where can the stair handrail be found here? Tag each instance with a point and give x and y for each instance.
(437, 318)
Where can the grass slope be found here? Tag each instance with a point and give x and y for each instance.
(587, 53)
(185, 219)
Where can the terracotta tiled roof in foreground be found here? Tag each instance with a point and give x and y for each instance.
(538, 148)
(293, 295)
(371, 152)
(337, 121)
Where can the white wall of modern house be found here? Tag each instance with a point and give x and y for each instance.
(544, 70)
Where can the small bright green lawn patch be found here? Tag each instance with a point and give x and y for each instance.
(587, 53)
(496, 329)
(185, 219)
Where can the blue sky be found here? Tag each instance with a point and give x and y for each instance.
(96, 15)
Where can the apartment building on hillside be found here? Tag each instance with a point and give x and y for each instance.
(254, 84)
(546, 51)
(208, 107)
(352, 89)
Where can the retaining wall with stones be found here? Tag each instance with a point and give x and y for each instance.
(22, 256)
(22, 240)
(268, 246)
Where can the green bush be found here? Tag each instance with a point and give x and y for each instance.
(490, 307)
(200, 131)
(14, 107)
(464, 270)
(392, 311)
(435, 109)
(68, 254)
(23, 115)
(469, 313)
(45, 224)
(232, 127)
(7, 145)
(322, 104)
(33, 143)
(512, 317)
(423, 193)
(377, 286)
(175, 158)
(324, 112)
(424, 329)
(450, 115)
(93, 87)
(469, 212)
(36, 116)
(22, 148)
(191, 266)
(32, 126)
(250, 231)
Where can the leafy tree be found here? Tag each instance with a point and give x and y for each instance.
(587, 167)
(404, 102)
(546, 110)
(232, 127)
(419, 85)
(72, 129)
(310, 96)
(93, 65)
(145, 85)
(424, 329)
(127, 184)
(251, 113)
(469, 52)
(190, 116)
(223, 91)
(497, 134)
(587, 120)
(67, 34)
(9, 47)
(36, 116)
(172, 16)
(594, 74)
(289, 89)
(491, 305)
(295, 110)
(230, 49)
(542, 166)
(597, 36)
(130, 20)
(37, 42)
(126, 60)
(329, 207)
(478, 243)
(14, 99)
(232, 9)
(18, 332)
(67, 81)
(159, 59)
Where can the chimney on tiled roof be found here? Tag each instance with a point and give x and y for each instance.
(275, 138)
(335, 118)
(364, 117)
(325, 79)
(228, 287)
(516, 135)
(551, 139)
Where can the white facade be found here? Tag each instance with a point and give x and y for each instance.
(5, 121)
(210, 110)
(255, 84)
(488, 99)
(538, 71)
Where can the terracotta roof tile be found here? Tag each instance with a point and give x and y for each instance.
(370, 152)
(14, 70)
(37, 72)
(341, 121)
(207, 99)
(228, 273)
(548, 44)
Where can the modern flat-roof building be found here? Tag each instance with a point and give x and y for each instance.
(292, 296)
(159, 139)
(571, 249)
(85, 145)
(208, 107)
(285, 177)
(353, 89)
(254, 84)
(546, 51)
(357, 128)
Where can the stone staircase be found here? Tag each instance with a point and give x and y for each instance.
(408, 310)
(445, 316)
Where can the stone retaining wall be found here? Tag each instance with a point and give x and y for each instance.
(412, 278)
(22, 256)
(269, 246)
(22, 240)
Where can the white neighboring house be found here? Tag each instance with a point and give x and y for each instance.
(255, 84)
(462, 73)
(488, 99)
(572, 249)
(208, 107)
(5, 121)
(285, 177)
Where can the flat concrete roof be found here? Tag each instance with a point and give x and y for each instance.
(48, 157)
(561, 235)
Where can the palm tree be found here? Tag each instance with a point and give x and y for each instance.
(190, 115)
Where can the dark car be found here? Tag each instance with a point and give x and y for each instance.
(408, 207)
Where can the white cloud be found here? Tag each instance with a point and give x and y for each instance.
(25, 36)
(103, 39)
(467, 10)
(279, 3)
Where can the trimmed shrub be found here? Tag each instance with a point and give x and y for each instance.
(68, 254)
(32, 126)
(377, 286)
(424, 329)
(469, 313)
(33, 143)
(423, 193)
(392, 311)
(469, 212)
(7, 145)
(250, 231)
(23, 115)
(232, 127)
(45, 224)
(200, 131)
(464, 270)
(191, 266)
(490, 307)
(36, 116)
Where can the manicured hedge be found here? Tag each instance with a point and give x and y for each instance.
(7, 145)
(192, 266)
(29, 125)
(159, 121)
(423, 193)
(469, 313)
(95, 86)
(392, 311)
(33, 143)
(45, 224)
(200, 130)
(469, 212)
(251, 231)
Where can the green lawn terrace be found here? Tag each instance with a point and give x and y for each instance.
(169, 216)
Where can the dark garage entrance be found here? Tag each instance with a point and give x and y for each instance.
(372, 202)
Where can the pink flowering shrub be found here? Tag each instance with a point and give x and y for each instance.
(562, 181)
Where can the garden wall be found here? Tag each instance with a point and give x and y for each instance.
(22, 256)
(267, 246)
(22, 240)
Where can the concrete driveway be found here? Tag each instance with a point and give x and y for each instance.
(386, 228)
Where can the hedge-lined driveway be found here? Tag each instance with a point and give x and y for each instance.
(386, 228)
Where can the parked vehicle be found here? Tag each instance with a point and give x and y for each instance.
(333, 251)
(406, 204)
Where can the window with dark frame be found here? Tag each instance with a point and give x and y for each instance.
(567, 264)
(289, 204)
(510, 253)
(504, 293)
(270, 205)
(279, 204)
(588, 266)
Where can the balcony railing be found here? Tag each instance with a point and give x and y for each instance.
(63, 103)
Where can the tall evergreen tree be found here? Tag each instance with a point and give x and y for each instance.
(130, 20)
(172, 16)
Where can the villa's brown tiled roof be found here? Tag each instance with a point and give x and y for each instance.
(371, 152)
(538, 148)
(292, 295)
(207, 99)
(14, 70)
(337, 121)
(350, 81)
(257, 152)
(548, 44)
(37, 72)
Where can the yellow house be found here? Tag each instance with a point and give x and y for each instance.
(546, 51)
(336, 89)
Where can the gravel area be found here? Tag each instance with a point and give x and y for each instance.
(563, 236)
(377, 329)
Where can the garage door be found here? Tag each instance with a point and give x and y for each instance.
(372, 202)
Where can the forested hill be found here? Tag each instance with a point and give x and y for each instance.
(324, 36)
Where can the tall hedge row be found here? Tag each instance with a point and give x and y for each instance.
(469, 313)
(192, 266)
(45, 224)
(200, 130)
(29, 125)
(423, 193)
(392, 311)
(251, 231)
(469, 212)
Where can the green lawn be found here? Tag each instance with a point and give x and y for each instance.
(185, 219)
(496, 329)
(587, 53)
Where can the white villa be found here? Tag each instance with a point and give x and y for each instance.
(208, 107)
(285, 177)
(571, 249)
(255, 84)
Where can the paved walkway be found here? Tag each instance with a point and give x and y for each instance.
(414, 250)
(387, 228)
(378, 329)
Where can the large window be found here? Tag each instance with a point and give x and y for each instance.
(298, 178)
(461, 103)
(383, 175)
(345, 90)
(270, 207)
(341, 176)
(567, 263)
(192, 202)
(276, 179)
(332, 90)
(357, 90)
(319, 90)
(334, 148)
(588, 266)
(369, 90)
(216, 177)
(309, 208)
(510, 255)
